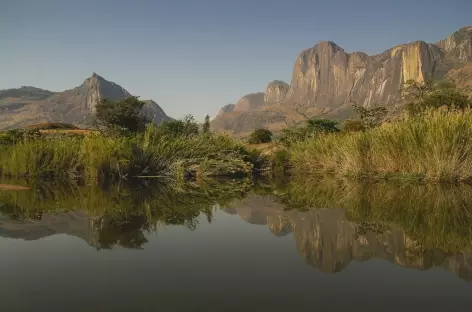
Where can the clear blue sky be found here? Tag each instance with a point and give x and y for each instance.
(194, 56)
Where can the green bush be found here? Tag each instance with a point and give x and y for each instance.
(121, 117)
(432, 95)
(260, 136)
(312, 128)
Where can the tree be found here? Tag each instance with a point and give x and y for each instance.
(176, 128)
(312, 128)
(260, 136)
(370, 117)
(206, 124)
(321, 126)
(432, 95)
(123, 116)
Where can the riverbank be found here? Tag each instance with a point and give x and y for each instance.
(435, 147)
(149, 154)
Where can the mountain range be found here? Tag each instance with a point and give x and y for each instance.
(326, 80)
(30, 105)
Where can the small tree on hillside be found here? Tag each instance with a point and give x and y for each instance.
(371, 117)
(260, 136)
(427, 95)
(176, 128)
(206, 124)
(321, 126)
(123, 116)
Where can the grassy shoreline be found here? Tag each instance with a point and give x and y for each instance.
(435, 147)
(149, 154)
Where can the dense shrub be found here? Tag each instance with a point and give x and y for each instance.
(260, 136)
(312, 128)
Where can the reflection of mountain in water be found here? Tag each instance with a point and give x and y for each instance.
(101, 233)
(74, 223)
(327, 240)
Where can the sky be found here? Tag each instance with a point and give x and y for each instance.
(194, 56)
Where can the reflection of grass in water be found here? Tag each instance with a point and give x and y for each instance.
(121, 212)
(438, 216)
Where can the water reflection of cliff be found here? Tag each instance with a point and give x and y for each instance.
(329, 241)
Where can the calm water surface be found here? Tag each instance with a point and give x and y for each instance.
(318, 245)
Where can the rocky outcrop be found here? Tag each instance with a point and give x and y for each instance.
(276, 92)
(228, 108)
(459, 44)
(250, 102)
(76, 106)
(326, 80)
(96, 88)
(152, 111)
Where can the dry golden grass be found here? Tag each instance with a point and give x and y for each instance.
(11, 187)
(435, 147)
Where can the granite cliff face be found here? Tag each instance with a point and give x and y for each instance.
(29, 105)
(228, 108)
(250, 102)
(276, 92)
(459, 44)
(326, 80)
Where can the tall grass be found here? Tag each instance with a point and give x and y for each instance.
(436, 147)
(146, 155)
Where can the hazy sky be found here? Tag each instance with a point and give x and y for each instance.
(194, 56)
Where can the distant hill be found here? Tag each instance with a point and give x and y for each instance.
(29, 105)
(326, 80)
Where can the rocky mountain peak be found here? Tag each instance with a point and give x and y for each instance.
(250, 102)
(276, 92)
(29, 105)
(96, 87)
(459, 44)
(326, 80)
(228, 108)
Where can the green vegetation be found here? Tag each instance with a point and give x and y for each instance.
(436, 147)
(178, 128)
(122, 117)
(433, 215)
(260, 136)
(121, 214)
(370, 117)
(206, 124)
(430, 94)
(52, 126)
(171, 151)
(433, 144)
(312, 128)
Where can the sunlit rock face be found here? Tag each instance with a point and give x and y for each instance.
(327, 80)
(325, 76)
(459, 44)
(276, 92)
(250, 102)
